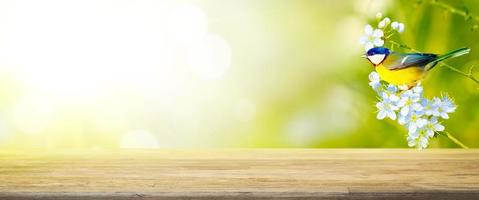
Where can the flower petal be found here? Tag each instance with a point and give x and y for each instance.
(378, 33)
(417, 107)
(411, 143)
(418, 89)
(380, 105)
(394, 25)
(378, 42)
(405, 110)
(373, 76)
(412, 127)
(381, 114)
(414, 135)
(363, 40)
(393, 98)
(401, 27)
(387, 20)
(382, 24)
(444, 115)
(423, 142)
(392, 88)
(392, 115)
(402, 120)
(438, 127)
(421, 122)
(430, 133)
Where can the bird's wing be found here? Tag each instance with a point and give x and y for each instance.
(396, 61)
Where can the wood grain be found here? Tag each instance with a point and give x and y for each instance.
(241, 174)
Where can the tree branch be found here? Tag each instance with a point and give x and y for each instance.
(455, 140)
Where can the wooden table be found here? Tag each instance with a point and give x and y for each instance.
(241, 174)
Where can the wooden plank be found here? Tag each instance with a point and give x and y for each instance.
(241, 174)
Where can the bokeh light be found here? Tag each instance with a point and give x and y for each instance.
(241, 73)
(210, 58)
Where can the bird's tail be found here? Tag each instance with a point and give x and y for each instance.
(452, 54)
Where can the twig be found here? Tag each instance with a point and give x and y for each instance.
(467, 75)
(464, 13)
(455, 140)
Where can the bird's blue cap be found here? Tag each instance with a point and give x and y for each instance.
(378, 50)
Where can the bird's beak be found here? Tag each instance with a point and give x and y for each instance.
(363, 56)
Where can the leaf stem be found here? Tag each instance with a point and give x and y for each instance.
(467, 75)
(455, 140)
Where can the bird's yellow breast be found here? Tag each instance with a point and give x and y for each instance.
(407, 75)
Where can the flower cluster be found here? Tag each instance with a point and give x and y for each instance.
(385, 28)
(415, 112)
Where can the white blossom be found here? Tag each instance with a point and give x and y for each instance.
(399, 27)
(441, 107)
(406, 104)
(386, 108)
(448, 104)
(411, 141)
(374, 81)
(385, 22)
(379, 15)
(418, 139)
(413, 121)
(416, 113)
(429, 106)
(409, 102)
(372, 37)
(432, 127)
(418, 89)
(390, 94)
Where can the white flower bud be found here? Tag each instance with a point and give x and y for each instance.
(387, 20)
(395, 25)
(401, 27)
(381, 24)
(379, 15)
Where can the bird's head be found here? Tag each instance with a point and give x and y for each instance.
(377, 55)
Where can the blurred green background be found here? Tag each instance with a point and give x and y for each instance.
(213, 73)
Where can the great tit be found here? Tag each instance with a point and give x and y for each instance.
(406, 68)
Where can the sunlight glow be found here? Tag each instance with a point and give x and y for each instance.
(32, 115)
(139, 139)
(245, 110)
(210, 58)
(187, 24)
(94, 58)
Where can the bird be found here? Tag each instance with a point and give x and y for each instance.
(406, 68)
